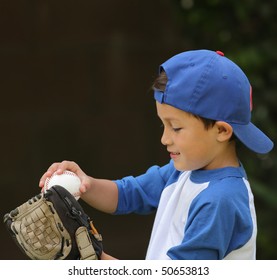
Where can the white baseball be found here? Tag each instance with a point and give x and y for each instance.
(69, 180)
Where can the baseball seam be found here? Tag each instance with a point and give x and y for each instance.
(65, 172)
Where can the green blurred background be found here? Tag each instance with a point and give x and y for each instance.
(75, 84)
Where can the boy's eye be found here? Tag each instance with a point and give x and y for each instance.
(176, 129)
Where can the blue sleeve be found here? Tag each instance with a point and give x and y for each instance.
(219, 222)
(141, 194)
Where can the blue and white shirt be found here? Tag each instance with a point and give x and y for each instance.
(202, 214)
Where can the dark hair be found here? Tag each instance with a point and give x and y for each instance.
(160, 85)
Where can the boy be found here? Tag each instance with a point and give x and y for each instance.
(204, 204)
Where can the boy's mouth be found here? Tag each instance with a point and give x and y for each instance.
(173, 155)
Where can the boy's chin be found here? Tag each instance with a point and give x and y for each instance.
(180, 166)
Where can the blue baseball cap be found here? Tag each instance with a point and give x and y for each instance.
(207, 84)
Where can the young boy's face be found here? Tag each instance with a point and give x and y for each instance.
(190, 144)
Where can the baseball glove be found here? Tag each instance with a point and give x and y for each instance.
(53, 226)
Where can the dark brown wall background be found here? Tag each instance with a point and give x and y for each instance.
(74, 84)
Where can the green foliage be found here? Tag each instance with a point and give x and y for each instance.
(246, 32)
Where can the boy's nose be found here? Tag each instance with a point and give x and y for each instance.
(165, 139)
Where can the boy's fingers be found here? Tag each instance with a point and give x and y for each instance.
(67, 165)
(53, 168)
(44, 177)
(85, 184)
(59, 168)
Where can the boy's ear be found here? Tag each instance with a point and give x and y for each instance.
(224, 131)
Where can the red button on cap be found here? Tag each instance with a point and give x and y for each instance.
(220, 53)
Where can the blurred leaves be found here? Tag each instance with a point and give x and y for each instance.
(246, 32)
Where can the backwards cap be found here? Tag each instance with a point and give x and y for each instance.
(207, 84)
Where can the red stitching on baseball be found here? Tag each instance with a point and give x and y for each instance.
(54, 174)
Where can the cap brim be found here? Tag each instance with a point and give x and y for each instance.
(253, 138)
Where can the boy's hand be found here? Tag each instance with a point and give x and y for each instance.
(105, 256)
(60, 167)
